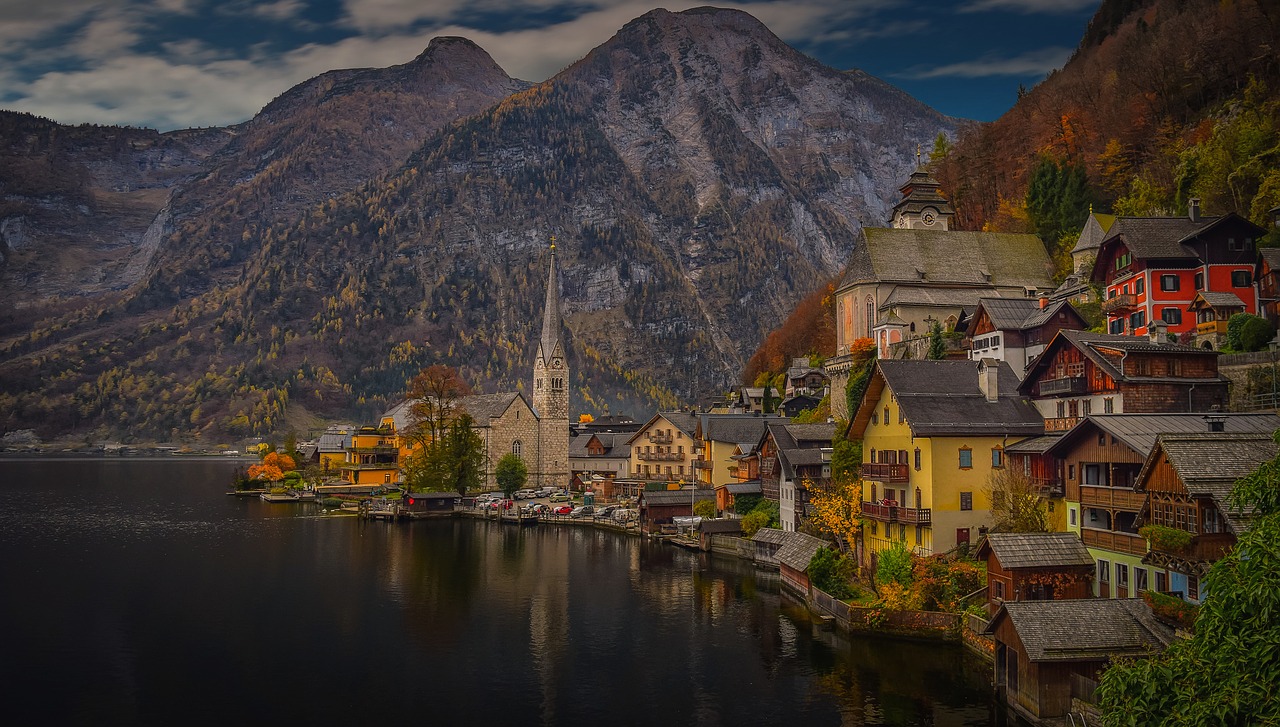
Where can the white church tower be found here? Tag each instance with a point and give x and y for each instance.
(551, 390)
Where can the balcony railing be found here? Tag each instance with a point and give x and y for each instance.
(702, 464)
(1060, 424)
(1119, 542)
(368, 466)
(896, 514)
(884, 472)
(1064, 385)
(1112, 498)
(660, 438)
(1209, 328)
(1119, 303)
(660, 456)
(1048, 488)
(1208, 547)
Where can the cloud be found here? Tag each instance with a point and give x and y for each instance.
(1027, 6)
(23, 22)
(1034, 63)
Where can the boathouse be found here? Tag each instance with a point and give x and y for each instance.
(418, 504)
(1035, 567)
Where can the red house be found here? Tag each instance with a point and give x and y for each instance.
(1152, 268)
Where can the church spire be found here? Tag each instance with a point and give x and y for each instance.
(550, 344)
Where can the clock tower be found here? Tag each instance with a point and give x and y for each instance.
(922, 206)
(551, 390)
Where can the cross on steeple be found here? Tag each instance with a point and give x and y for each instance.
(917, 155)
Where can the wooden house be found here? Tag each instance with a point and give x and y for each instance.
(1083, 373)
(726, 527)
(418, 504)
(661, 507)
(1035, 567)
(1267, 277)
(794, 556)
(1186, 480)
(1016, 330)
(1212, 310)
(1049, 651)
(767, 542)
(727, 494)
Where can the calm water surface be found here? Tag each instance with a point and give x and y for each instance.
(136, 592)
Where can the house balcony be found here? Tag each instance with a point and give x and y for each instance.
(660, 438)
(887, 473)
(1064, 385)
(1048, 488)
(1120, 304)
(1211, 328)
(1112, 498)
(1115, 541)
(1206, 548)
(896, 514)
(362, 466)
(1060, 424)
(660, 456)
(379, 449)
(702, 464)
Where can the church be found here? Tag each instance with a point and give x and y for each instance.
(507, 422)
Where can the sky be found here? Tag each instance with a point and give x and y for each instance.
(170, 64)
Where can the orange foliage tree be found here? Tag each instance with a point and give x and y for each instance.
(836, 507)
(810, 329)
(272, 467)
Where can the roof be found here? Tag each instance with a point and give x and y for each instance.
(335, 440)
(1209, 464)
(751, 487)
(935, 295)
(1037, 550)
(1086, 629)
(798, 549)
(734, 428)
(1216, 299)
(1093, 346)
(675, 497)
(1271, 256)
(682, 420)
(1158, 237)
(614, 443)
(773, 536)
(1139, 431)
(942, 397)
(974, 258)
(1033, 445)
(820, 432)
(1020, 314)
(1094, 232)
(805, 455)
(549, 343)
(721, 525)
(483, 407)
(434, 495)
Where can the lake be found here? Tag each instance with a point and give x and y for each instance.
(137, 592)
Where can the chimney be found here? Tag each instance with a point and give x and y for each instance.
(1044, 302)
(1216, 423)
(1193, 209)
(988, 378)
(1157, 332)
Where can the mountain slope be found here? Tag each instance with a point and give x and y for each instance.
(698, 175)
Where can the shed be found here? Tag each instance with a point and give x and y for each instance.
(1035, 567)
(767, 542)
(794, 556)
(415, 504)
(726, 527)
(660, 507)
(1049, 651)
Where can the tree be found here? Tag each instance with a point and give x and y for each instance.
(272, 468)
(1016, 506)
(705, 509)
(937, 346)
(1247, 332)
(453, 462)
(1226, 673)
(435, 392)
(768, 402)
(836, 508)
(511, 473)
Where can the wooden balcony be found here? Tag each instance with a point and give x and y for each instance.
(1048, 488)
(660, 456)
(1060, 424)
(1120, 303)
(1205, 548)
(896, 514)
(702, 464)
(1112, 498)
(1210, 328)
(1064, 385)
(888, 473)
(1118, 542)
(660, 438)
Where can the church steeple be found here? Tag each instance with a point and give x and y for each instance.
(550, 345)
(551, 389)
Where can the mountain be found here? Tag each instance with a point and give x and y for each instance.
(699, 177)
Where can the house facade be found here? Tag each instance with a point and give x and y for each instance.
(600, 454)
(932, 434)
(801, 459)
(665, 448)
(1035, 567)
(1017, 330)
(721, 440)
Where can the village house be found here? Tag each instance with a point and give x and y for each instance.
(1083, 373)
(659, 508)
(1186, 480)
(805, 379)
(664, 449)
(1035, 567)
(1017, 330)
(603, 455)
(1048, 652)
(798, 457)
(720, 438)
(373, 456)
(727, 495)
(932, 433)
(1267, 276)
(1098, 462)
(1152, 267)
(331, 447)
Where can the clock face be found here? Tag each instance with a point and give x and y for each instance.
(555, 363)
(929, 217)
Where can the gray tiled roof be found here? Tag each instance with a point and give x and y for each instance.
(1139, 431)
(1033, 445)
(822, 432)
(1218, 299)
(798, 549)
(982, 258)
(721, 525)
(1037, 550)
(483, 407)
(1271, 255)
(805, 456)
(1094, 232)
(1158, 237)
(1092, 346)
(675, 497)
(773, 536)
(942, 397)
(1020, 314)
(614, 443)
(1210, 463)
(335, 440)
(751, 487)
(936, 296)
(1084, 629)
(733, 428)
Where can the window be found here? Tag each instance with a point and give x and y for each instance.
(1071, 472)
(997, 457)
(902, 416)
(1086, 407)
(886, 416)
(1240, 279)
(966, 500)
(1071, 517)
(966, 458)
(1109, 405)
(1140, 286)
(875, 417)
(1122, 575)
(1139, 579)
(1123, 261)
(1199, 281)
(515, 448)
(1062, 409)
(1162, 581)
(1169, 282)
(1172, 316)
(1193, 587)
(1116, 326)
(917, 459)
(998, 590)
(1104, 571)
(1137, 319)
(919, 535)
(871, 315)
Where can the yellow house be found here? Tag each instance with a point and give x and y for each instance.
(721, 437)
(932, 433)
(665, 448)
(331, 447)
(373, 457)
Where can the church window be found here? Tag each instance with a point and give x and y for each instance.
(515, 447)
(871, 315)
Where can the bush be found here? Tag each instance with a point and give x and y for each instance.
(1247, 332)
(743, 504)
(1166, 539)
(833, 573)
(704, 509)
(753, 521)
(894, 566)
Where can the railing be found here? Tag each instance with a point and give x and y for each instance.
(1121, 302)
(1064, 385)
(660, 438)
(1208, 547)
(895, 513)
(1120, 498)
(884, 472)
(660, 456)
(1048, 488)
(379, 449)
(1114, 540)
(368, 466)
(1060, 424)
(702, 464)
(1211, 327)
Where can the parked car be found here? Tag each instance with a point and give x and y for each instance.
(582, 510)
(523, 494)
(560, 497)
(606, 511)
(563, 510)
(544, 491)
(624, 516)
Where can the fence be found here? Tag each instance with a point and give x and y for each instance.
(932, 624)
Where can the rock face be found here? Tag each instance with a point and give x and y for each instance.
(699, 177)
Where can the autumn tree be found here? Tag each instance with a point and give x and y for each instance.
(435, 392)
(272, 467)
(454, 462)
(1016, 505)
(836, 508)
